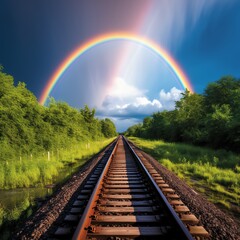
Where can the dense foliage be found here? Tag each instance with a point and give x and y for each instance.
(27, 127)
(210, 119)
(31, 135)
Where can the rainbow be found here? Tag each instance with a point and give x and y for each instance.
(107, 38)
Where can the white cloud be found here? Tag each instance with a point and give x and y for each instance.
(174, 95)
(135, 109)
(168, 99)
(143, 101)
(123, 106)
(126, 101)
(122, 89)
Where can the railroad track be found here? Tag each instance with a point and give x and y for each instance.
(124, 197)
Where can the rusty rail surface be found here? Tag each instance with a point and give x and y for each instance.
(126, 198)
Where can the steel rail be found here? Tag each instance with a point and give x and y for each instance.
(82, 228)
(185, 233)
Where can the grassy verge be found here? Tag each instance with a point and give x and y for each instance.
(38, 171)
(30, 171)
(216, 173)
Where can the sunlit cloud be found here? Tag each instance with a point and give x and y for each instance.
(122, 89)
(127, 102)
(168, 99)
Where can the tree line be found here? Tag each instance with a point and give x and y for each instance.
(26, 127)
(209, 119)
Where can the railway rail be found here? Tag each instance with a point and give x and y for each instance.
(124, 197)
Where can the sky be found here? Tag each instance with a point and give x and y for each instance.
(123, 80)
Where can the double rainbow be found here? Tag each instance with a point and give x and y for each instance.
(107, 38)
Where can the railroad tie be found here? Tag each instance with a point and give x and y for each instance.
(124, 196)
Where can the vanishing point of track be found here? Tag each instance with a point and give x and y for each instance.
(124, 197)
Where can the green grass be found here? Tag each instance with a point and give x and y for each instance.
(213, 172)
(37, 171)
(40, 170)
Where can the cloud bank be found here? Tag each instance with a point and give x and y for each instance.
(127, 104)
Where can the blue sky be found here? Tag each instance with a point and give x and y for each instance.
(123, 81)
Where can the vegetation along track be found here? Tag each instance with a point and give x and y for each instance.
(125, 198)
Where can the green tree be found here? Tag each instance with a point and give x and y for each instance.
(88, 114)
(108, 128)
(222, 101)
(218, 124)
(6, 83)
(224, 91)
(190, 118)
(26, 127)
(134, 130)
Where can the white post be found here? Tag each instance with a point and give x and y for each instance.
(48, 156)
